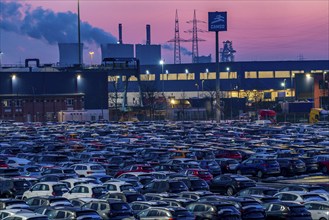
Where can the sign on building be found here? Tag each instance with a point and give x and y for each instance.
(217, 21)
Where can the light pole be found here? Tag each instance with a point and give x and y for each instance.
(148, 75)
(162, 63)
(197, 86)
(283, 84)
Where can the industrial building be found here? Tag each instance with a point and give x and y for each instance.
(39, 93)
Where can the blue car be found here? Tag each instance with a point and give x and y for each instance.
(259, 167)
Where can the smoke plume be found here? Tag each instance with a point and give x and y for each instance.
(183, 50)
(49, 26)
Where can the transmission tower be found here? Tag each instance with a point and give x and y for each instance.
(195, 40)
(177, 40)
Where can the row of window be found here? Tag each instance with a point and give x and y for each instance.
(212, 75)
(18, 102)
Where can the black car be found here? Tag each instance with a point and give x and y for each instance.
(291, 166)
(286, 211)
(160, 186)
(194, 183)
(230, 184)
(249, 208)
(311, 164)
(14, 187)
(214, 211)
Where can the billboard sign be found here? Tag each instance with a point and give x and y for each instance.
(217, 21)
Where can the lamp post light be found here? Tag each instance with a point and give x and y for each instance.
(148, 74)
(283, 84)
(91, 54)
(162, 73)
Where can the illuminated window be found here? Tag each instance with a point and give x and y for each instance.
(232, 75)
(212, 75)
(172, 76)
(190, 76)
(132, 78)
(5, 103)
(204, 75)
(112, 78)
(282, 74)
(147, 77)
(250, 74)
(293, 72)
(182, 76)
(223, 75)
(265, 74)
(163, 76)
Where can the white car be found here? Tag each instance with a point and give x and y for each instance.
(114, 186)
(72, 182)
(85, 190)
(318, 210)
(299, 197)
(26, 216)
(46, 189)
(88, 169)
(10, 212)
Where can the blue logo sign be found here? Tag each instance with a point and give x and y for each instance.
(217, 21)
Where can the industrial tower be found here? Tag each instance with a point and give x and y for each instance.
(177, 40)
(195, 40)
(227, 52)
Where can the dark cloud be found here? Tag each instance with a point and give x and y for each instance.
(47, 25)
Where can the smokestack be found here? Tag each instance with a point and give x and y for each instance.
(120, 33)
(148, 34)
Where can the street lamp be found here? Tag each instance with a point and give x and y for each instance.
(162, 63)
(283, 84)
(91, 53)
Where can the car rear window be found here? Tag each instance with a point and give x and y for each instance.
(313, 197)
(69, 171)
(59, 187)
(270, 192)
(177, 185)
(22, 183)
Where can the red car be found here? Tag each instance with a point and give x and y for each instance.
(232, 154)
(201, 173)
(323, 161)
(3, 164)
(146, 168)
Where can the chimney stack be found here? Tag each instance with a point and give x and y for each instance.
(148, 34)
(120, 33)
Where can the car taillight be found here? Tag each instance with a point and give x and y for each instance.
(264, 165)
(53, 193)
(93, 196)
(90, 172)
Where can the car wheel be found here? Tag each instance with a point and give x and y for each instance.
(230, 191)
(239, 172)
(24, 198)
(260, 174)
(322, 219)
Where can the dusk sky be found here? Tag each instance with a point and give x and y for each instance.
(260, 30)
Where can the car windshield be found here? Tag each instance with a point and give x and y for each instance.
(297, 209)
(182, 213)
(33, 169)
(60, 187)
(22, 183)
(270, 192)
(69, 171)
(96, 167)
(87, 213)
(120, 206)
(126, 187)
(313, 198)
(177, 185)
(225, 206)
(131, 198)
